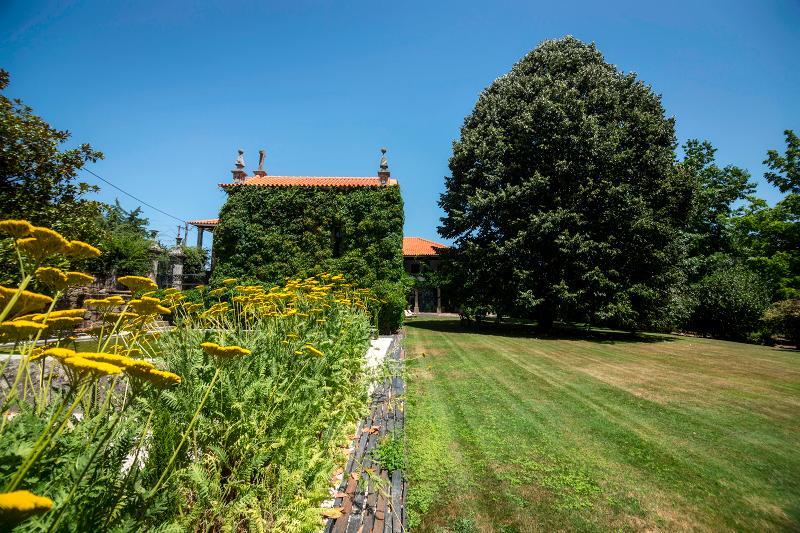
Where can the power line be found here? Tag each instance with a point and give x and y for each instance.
(134, 197)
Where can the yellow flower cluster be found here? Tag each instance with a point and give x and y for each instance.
(20, 329)
(28, 301)
(23, 501)
(137, 283)
(109, 302)
(103, 363)
(215, 349)
(148, 306)
(17, 229)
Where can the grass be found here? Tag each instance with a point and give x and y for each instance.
(507, 432)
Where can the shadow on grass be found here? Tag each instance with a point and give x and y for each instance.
(527, 330)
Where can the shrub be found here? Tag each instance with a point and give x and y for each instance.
(783, 318)
(730, 302)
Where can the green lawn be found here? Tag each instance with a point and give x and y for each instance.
(510, 432)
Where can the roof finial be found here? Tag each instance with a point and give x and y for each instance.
(383, 170)
(384, 161)
(262, 155)
(238, 173)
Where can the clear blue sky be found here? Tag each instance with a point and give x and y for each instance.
(170, 90)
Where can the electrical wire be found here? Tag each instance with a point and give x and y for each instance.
(123, 191)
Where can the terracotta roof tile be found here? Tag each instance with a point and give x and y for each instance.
(204, 222)
(309, 181)
(418, 246)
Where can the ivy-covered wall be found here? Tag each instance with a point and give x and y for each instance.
(272, 233)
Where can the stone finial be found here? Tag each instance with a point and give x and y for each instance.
(262, 156)
(383, 170)
(238, 172)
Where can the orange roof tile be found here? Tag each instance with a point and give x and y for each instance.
(204, 222)
(309, 181)
(419, 246)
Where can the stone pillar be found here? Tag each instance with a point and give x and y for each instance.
(155, 251)
(177, 257)
(416, 300)
(200, 237)
(439, 300)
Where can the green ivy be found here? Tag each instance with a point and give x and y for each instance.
(273, 233)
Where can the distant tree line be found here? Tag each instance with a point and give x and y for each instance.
(567, 202)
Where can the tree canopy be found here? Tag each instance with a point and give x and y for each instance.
(563, 197)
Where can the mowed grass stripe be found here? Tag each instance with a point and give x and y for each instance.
(563, 433)
(638, 430)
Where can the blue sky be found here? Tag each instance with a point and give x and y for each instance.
(169, 90)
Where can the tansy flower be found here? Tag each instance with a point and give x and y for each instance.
(313, 350)
(78, 279)
(63, 322)
(16, 228)
(228, 281)
(104, 303)
(58, 353)
(27, 302)
(20, 504)
(43, 243)
(87, 366)
(217, 292)
(21, 329)
(82, 250)
(148, 306)
(160, 379)
(138, 283)
(117, 360)
(212, 348)
(53, 277)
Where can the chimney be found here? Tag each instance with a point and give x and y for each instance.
(383, 170)
(238, 172)
(262, 155)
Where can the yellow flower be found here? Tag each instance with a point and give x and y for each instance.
(21, 328)
(63, 322)
(158, 378)
(27, 302)
(217, 292)
(313, 350)
(118, 360)
(212, 348)
(16, 228)
(58, 353)
(78, 279)
(44, 242)
(228, 281)
(148, 306)
(96, 368)
(170, 290)
(82, 250)
(53, 277)
(22, 502)
(138, 283)
(104, 303)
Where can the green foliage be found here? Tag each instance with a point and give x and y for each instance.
(390, 453)
(708, 230)
(730, 302)
(783, 318)
(562, 197)
(38, 179)
(125, 242)
(271, 233)
(784, 170)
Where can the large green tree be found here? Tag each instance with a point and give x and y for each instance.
(563, 198)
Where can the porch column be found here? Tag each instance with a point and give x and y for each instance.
(439, 300)
(416, 300)
(200, 237)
